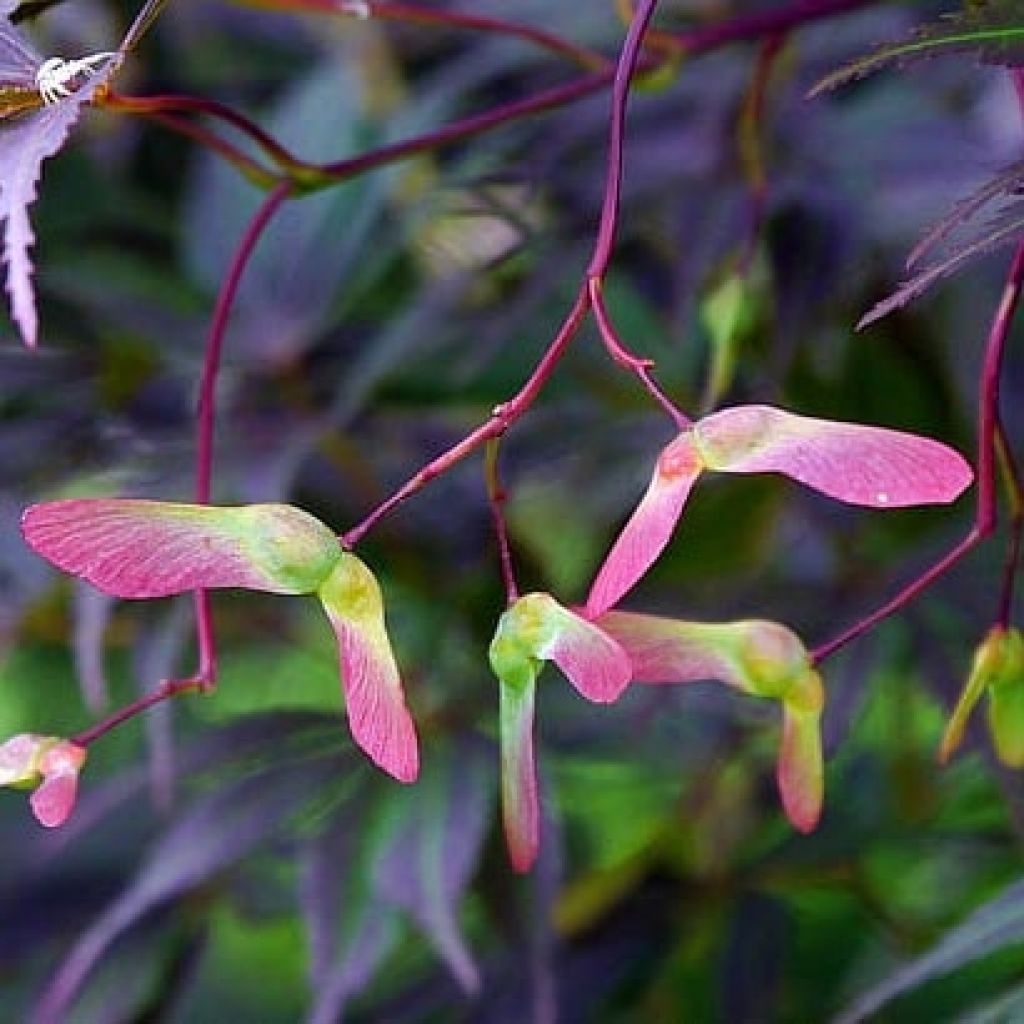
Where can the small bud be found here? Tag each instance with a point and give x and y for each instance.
(51, 766)
(998, 669)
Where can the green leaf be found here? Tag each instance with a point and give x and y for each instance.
(997, 924)
(993, 29)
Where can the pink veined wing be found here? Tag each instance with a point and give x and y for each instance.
(54, 799)
(861, 465)
(374, 699)
(377, 714)
(649, 528)
(590, 659)
(133, 548)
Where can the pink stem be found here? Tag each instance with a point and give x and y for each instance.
(206, 409)
(478, 23)
(985, 509)
(167, 689)
(506, 414)
(500, 420)
(497, 497)
(627, 360)
(760, 24)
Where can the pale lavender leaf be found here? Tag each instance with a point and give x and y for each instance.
(25, 142)
(19, 60)
(90, 616)
(433, 852)
(216, 832)
(1004, 183)
(1003, 229)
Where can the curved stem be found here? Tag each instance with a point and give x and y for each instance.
(416, 15)
(1015, 497)
(760, 24)
(206, 407)
(497, 497)
(988, 428)
(502, 417)
(624, 72)
(643, 368)
(167, 689)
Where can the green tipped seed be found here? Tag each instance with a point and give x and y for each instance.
(293, 548)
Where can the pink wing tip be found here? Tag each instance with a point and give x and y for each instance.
(53, 801)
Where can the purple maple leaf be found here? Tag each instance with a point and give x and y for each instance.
(27, 137)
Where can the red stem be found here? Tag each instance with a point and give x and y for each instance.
(627, 360)
(167, 689)
(477, 23)
(497, 497)
(206, 407)
(1015, 493)
(500, 420)
(624, 72)
(985, 509)
(759, 24)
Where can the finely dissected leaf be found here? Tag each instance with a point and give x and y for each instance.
(431, 856)
(1005, 183)
(997, 924)
(377, 713)
(217, 831)
(1004, 228)
(993, 29)
(25, 143)
(133, 548)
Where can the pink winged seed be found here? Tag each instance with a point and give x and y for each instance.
(649, 529)
(133, 548)
(54, 800)
(592, 661)
(858, 464)
(801, 771)
(668, 650)
(377, 714)
(520, 805)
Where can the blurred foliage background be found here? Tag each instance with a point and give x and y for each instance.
(232, 858)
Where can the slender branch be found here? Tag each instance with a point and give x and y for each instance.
(505, 415)
(151, 106)
(986, 502)
(497, 497)
(477, 124)
(502, 417)
(1015, 497)
(624, 72)
(759, 24)
(166, 690)
(416, 15)
(627, 360)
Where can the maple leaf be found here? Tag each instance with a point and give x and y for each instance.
(30, 132)
(991, 29)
